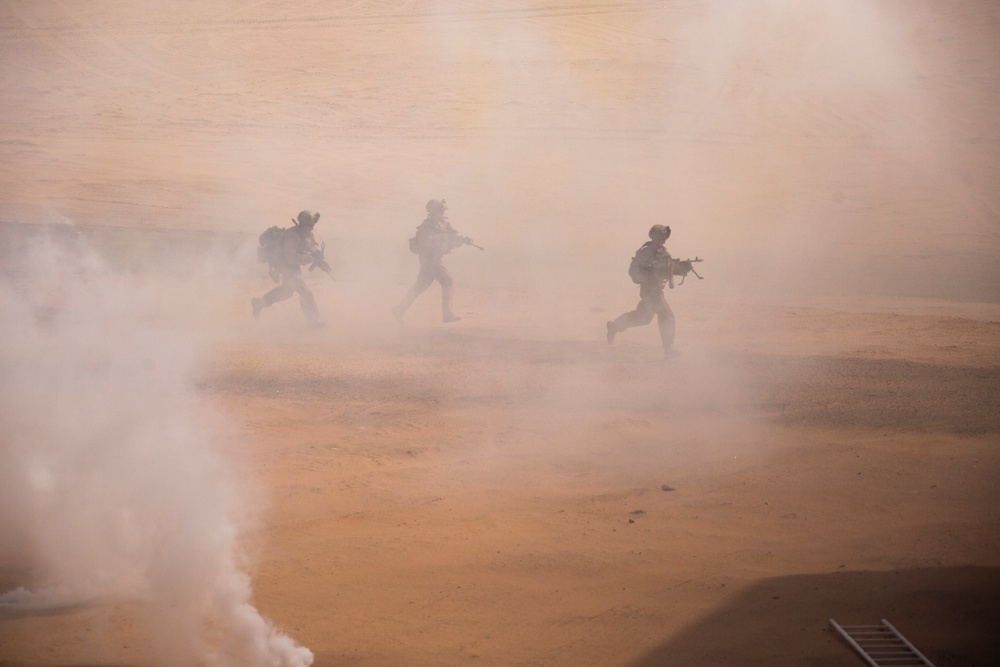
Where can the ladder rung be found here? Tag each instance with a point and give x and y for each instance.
(882, 645)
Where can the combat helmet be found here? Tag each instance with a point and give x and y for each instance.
(659, 231)
(436, 206)
(306, 219)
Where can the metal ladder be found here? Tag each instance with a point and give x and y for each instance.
(882, 645)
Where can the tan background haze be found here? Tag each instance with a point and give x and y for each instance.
(507, 490)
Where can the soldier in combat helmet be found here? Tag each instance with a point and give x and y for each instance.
(651, 268)
(435, 238)
(295, 247)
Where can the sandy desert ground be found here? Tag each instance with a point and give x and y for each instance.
(182, 485)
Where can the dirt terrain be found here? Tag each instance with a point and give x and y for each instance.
(184, 485)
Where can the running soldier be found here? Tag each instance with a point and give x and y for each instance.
(651, 268)
(435, 238)
(287, 252)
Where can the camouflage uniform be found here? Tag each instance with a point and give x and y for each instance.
(298, 247)
(435, 238)
(655, 270)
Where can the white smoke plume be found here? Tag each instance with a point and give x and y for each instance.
(111, 488)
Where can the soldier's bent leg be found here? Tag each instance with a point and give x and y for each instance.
(642, 315)
(279, 293)
(423, 282)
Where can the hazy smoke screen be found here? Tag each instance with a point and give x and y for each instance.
(110, 484)
(800, 148)
(797, 146)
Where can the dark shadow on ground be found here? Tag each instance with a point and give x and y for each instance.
(877, 393)
(952, 615)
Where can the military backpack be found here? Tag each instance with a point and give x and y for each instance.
(269, 251)
(636, 271)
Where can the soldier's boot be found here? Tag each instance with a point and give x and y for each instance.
(669, 353)
(257, 305)
(450, 317)
(397, 312)
(611, 332)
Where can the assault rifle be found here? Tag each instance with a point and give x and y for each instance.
(319, 261)
(468, 241)
(665, 268)
(682, 267)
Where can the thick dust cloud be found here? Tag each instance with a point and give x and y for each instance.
(802, 149)
(112, 482)
(797, 147)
